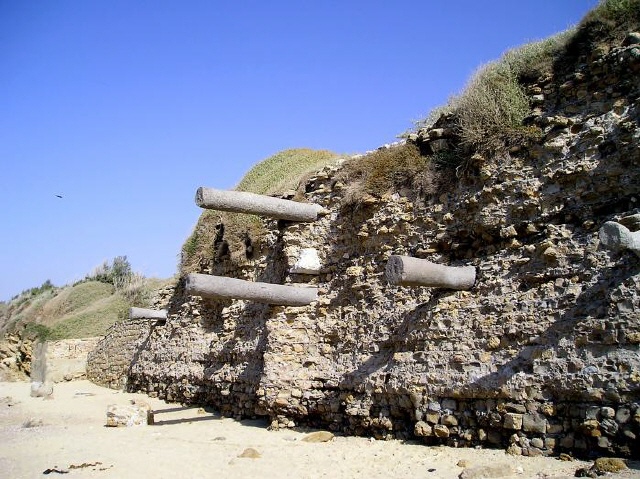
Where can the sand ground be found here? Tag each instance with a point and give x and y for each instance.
(66, 436)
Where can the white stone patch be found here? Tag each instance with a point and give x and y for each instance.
(308, 262)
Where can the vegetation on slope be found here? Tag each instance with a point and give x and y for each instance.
(86, 308)
(488, 115)
(276, 175)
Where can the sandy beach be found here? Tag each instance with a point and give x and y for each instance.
(66, 435)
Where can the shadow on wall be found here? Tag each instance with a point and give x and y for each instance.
(563, 384)
(580, 316)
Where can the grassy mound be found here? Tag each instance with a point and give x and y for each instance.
(211, 242)
(84, 309)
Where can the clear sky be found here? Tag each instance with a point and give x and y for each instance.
(125, 107)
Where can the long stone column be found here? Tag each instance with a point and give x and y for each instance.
(243, 202)
(209, 286)
(144, 313)
(408, 271)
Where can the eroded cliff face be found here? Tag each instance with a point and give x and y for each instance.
(542, 355)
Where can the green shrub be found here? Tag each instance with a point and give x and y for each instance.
(116, 273)
(137, 290)
(38, 332)
(492, 105)
(533, 60)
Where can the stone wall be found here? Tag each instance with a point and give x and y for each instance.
(109, 361)
(541, 356)
(66, 359)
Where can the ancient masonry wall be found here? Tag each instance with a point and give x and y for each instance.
(66, 359)
(541, 356)
(109, 361)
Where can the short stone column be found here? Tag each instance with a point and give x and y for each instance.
(617, 237)
(408, 271)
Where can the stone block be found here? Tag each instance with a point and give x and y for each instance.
(136, 414)
(441, 430)
(433, 418)
(512, 421)
(422, 429)
(534, 423)
(607, 412)
(449, 420)
(41, 389)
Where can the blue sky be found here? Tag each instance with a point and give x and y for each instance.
(125, 107)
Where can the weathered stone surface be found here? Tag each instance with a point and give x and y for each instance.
(250, 453)
(15, 358)
(534, 423)
(441, 431)
(486, 472)
(603, 465)
(513, 421)
(135, 414)
(423, 429)
(41, 389)
(318, 436)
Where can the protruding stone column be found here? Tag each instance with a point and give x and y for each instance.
(617, 237)
(209, 286)
(243, 202)
(144, 313)
(408, 271)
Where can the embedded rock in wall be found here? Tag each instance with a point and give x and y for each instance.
(540, 356)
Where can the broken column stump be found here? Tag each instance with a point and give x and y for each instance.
(209, 286)
(243, 202)
(617, 237)
(408, 271)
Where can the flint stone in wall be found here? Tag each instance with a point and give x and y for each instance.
(623, 415)
(308, 262)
